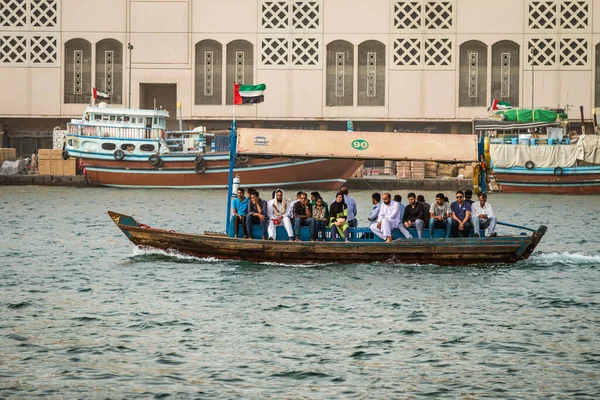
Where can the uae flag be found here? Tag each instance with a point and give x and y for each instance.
(248, 94)
(99, 95)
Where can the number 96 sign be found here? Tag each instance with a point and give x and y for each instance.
(360, 144)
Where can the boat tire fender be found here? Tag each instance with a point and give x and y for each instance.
(199, 160)
(240, 160)
(119, 154)
(155, 160)
(529, 165)
(558, 171)
(200, 168)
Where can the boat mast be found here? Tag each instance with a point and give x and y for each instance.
(232, 155)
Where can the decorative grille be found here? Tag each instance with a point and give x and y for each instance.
(109, 63)
(305, 51)
(438, 52)
(13, 49)
(78, 72)
(340, 73)
(44, 13)
(504, 75)
(542, 14)
(239, 67)
(13, 13)
(473, 59)
(43, 49)
(305, 15)
(371, 74)
(573, 52)
(208, 73)
(407, 51)
(274, 51)
(407, 15)
(541, 52)
(438, 15)
(274, 15)
(574, 15)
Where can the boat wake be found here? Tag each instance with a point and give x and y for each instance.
(563, 258)
(147, 253)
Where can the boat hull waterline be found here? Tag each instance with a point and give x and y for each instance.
(453, 251)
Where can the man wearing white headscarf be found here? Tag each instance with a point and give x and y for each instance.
(277, 211)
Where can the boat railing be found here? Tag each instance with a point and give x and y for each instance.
(126, 132)
(530, 141)
(194, 141)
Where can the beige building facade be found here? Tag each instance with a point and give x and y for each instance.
(385, 64)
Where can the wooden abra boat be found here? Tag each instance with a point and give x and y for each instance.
(439, 251)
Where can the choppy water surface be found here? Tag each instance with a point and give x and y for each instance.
(85, 315)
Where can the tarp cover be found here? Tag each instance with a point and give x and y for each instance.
(13, 167)
(357, 145)
(525, 115)
(587, 149)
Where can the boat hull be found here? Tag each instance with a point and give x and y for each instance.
(579, 180)
(453, 251)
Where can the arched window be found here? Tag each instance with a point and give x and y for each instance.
(472, 88)
(109, 69)
(339, 87)
(209, 72)
(240, 65)
(371, 73)
(505, 72)
(78, 71)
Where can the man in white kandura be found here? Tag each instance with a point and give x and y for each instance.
(483, 216)
(387, 220)
(277, 210)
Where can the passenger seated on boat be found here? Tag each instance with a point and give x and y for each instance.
(303, 217)
(376, 200)
(440, 216)
(398, 199)
(388, 219)
(257, 213)
(277, 209)
(469, 196)
(313, 200)
(414, 214)
(426, 208)
(239, 208)
(461, 216)
(338, 218)
(290, 213)
(483, 216)
(320, 214)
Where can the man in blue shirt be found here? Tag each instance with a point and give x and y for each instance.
(461, 216)
(376, 199)
(257, 213)
(352, 209)
(239, 208)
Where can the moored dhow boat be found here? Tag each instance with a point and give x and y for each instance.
(363, 246)
(534, 154)
(132, 148)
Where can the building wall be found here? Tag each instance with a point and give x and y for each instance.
(436, 62)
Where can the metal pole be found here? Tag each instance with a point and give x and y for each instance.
(232, 155)
(533, 52)
(130, 47)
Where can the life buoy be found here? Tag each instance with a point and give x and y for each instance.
(529, 165)
(155, 160)
(558, 171)
(199, 160)
(119, 154)
(200, 168)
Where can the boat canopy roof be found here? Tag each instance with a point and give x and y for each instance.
(358, 145)
(490, 125)
(134, 112)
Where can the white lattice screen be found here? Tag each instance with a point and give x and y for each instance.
(429, 52)
(553, 15)
(428, 15)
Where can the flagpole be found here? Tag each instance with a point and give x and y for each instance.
(232, 155)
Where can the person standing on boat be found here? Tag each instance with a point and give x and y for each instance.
(239, 208)
(388, 219)
(461, 216)
(257, 212)
(414, 214)
(440, 216)
(277, 209)
(338, 218)
(376, 200)
(303, 217)
(483, 216)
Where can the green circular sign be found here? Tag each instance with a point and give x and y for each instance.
(360, 144)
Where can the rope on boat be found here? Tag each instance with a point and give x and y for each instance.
(515, 226)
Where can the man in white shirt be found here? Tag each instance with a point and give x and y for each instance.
(277, 210)
(387, 219)
(483, 216)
